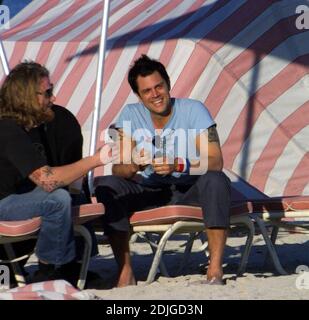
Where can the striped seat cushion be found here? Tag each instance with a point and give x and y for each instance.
(87, 212)
(284, 204)
(173, 213)
(81, 214)
(20, 228)
(299, 203)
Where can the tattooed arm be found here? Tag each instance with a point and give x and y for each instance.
(51, 178)
(208, 145)
(45, 178)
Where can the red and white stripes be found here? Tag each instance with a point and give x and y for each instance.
(48, 290)
(244, 58)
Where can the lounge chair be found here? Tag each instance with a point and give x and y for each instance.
(16, 231)
(179, 219)
(167, 221)
(249, 205)
(280, 212)
(277, 212)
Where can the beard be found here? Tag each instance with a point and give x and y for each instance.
(45, 115)
(49, 113)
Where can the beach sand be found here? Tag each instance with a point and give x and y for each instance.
(259, 282)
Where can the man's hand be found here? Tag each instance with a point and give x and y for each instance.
(164, 166)
(109, 153)
(141, 158)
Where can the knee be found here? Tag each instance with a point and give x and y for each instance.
(61, 196)
(57, 206)
(108, 184)
(217, 180)
(107, 181)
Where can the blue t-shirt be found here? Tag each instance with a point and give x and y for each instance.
(177, 139)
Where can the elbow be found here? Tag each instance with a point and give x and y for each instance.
(215, 164)
(215, 168)
(47, 187)
(50, 186)
(218, 168)
(219, 165)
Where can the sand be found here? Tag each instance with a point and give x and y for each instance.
(259, 282)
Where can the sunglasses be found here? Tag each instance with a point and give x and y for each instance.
(48, 93)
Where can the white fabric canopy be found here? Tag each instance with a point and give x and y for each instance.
(246, 60)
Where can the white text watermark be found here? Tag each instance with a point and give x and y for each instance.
(4, 17)
(302, 21)
(162, 147)
(302, 281)
(4, 277)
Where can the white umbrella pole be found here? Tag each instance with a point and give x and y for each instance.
(98, 92)
(4, 60)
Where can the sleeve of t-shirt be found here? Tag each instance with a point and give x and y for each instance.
(200, 117)
(124, 121)
(21, 153)
(67, 144)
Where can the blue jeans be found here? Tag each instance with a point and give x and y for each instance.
(55, 244)
(121, 197)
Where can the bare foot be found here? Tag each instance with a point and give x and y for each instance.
(126, 279)
(214, 274)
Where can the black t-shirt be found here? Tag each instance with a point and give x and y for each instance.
(18, 157)
(59, 141)
(64, 138)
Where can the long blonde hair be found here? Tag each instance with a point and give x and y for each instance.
(18, 95)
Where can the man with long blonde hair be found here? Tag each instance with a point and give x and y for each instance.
(26, 98)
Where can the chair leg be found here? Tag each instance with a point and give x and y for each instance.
(247, 222)
(188, 249)
(134, 237)
(274, 233)
(154, 246)
(147, 236)
(81, 230)
(270, 247)
(160, 249)
(273, 238)
(18, 274)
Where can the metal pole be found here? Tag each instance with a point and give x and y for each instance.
(98, 92)
(4, 60)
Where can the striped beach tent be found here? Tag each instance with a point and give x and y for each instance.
(247, 60)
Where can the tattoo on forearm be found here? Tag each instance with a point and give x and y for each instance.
(43, 177)
(36, 175)
(52, 185)
(48, 171)
(213, 134)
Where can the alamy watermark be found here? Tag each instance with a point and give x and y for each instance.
(4, 17)
(302, 281)
(164, 146)
(4, 277)
(302, 21)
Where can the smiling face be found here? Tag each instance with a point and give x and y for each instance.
(153, 92)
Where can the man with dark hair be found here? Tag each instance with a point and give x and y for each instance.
(170, 154)
(26, 99)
